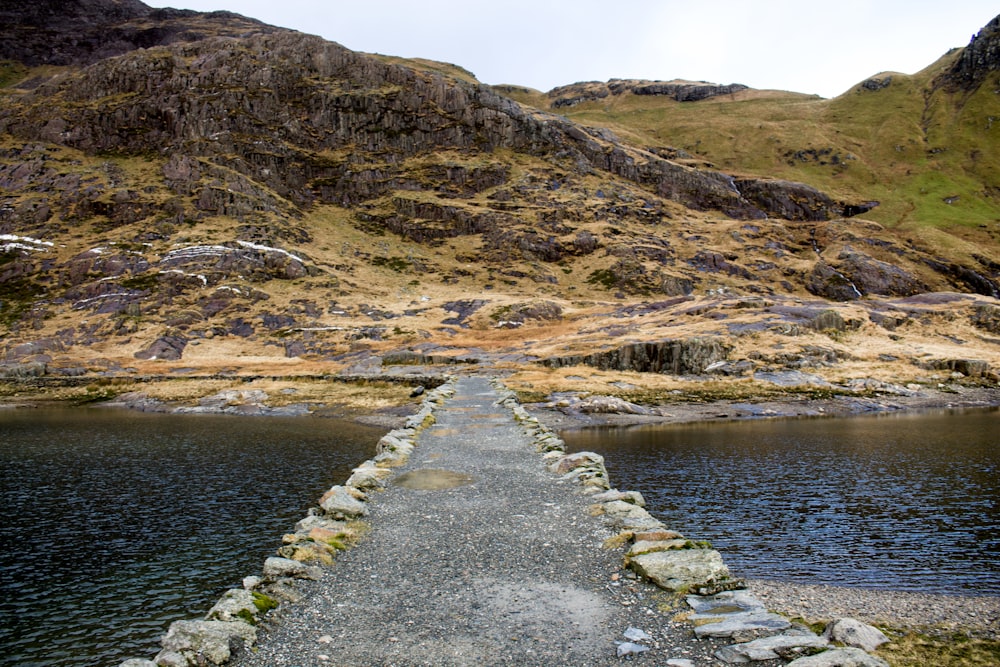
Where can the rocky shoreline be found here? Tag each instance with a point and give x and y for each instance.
(606, 411)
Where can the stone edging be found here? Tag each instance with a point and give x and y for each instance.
(336, 524)
(721, 605)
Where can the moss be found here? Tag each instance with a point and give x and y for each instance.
(264, 603)
(246, 616)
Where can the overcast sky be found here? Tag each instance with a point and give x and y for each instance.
(810, 46)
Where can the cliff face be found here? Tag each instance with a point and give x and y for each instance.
(80, 32)
(979, 58)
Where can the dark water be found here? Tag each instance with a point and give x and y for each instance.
(896, 502)
(117, 523)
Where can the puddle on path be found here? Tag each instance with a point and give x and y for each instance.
(429, 479)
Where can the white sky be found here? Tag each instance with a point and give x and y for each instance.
(810, 46)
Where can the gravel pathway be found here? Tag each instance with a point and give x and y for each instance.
(505, 570)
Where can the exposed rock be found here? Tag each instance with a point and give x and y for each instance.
(608, 405)
(978, 59)
(987, 317)
(851, 632)
(786, 645)
(236, 604)
(681, 91)
(743, 625)
(827, 282)
(208, 642)
(871, 276)
(138, 662)
(168, 348)
(681, 570)
(629, 648)
(284, 568)
(676, 357)
(340, 503)
(840, 657)
(972, 368)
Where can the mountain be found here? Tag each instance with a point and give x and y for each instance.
(209, 191)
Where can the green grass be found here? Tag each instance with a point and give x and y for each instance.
(913, 146)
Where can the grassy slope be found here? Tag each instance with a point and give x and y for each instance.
(928, 155)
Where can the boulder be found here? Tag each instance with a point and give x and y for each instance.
(681, 570)
(743, 625)
(785, 645)
(236, 604)
(840, 657)
(851, 632)
(168, 348)
(612, 405)
(340, 503)
(208, 642)
(283, 568)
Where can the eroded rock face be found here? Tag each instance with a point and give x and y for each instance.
(978, 59)
(681, 91)
(677, 357)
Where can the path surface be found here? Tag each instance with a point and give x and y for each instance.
(505, 570)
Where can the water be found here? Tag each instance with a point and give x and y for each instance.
(902, 502)
(116, 523)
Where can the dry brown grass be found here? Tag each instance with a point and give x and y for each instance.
(912, 649)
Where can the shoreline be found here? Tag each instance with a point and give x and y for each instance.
(934, 614)
(964, 398)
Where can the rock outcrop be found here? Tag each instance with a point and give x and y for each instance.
(676, 357)
(978, 59)
(680, 91)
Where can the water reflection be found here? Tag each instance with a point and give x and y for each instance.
(116, 523)
(907, 502)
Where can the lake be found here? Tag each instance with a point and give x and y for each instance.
(904, 502)
(117, 523)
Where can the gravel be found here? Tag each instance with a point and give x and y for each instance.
(977, 616)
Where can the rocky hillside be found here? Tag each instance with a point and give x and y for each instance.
(206, 188)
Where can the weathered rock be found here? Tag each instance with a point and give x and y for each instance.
(283, 568)
(368, 477)
(972, 368)
(743, 625)
(340, 503)
(138, 662)
(987, 317)
(681, 570)
(852, 632)
(729, 602)
(609, 405)
(168, 348)
(578, 460)
(840, 657)
(786, 645)
(676, 357)
(208, 642)
(633, 497)
(236, 604)
(630, 648)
